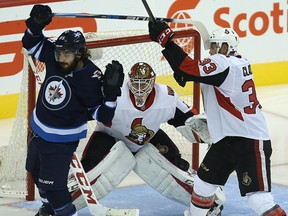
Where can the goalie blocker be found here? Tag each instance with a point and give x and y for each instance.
(151, 166)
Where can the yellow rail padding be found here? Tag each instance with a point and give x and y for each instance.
(8, 105)
(270, 73)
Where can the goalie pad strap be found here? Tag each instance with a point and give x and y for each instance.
(163, 176)
(108, 174)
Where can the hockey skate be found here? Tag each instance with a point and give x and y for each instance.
(43, 212)
(217, 207)
(214, 211)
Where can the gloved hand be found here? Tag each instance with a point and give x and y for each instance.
(160, 32)
(180, 79)
(113, 81)
(40, 16)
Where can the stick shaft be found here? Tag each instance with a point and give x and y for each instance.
(85, 187)
(152, 18)
(107, 16)
(94, 206)
(199, 25)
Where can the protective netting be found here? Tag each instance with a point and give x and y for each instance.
(12, 156)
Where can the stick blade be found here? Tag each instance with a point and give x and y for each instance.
(122, 212)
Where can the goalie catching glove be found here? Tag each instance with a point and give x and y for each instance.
(40, 16)
(160, 32)
(196, 130)
(113, 81)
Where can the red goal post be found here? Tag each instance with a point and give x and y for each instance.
(128, 47)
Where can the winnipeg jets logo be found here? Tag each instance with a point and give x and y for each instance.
(77, 34)
(57, 93)
(97, 74)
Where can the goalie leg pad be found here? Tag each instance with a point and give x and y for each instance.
(163, 176)
(108, 174)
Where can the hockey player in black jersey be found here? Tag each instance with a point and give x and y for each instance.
(73, 89)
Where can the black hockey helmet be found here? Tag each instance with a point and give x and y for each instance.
(71, 41)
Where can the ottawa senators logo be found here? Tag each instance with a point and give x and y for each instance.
(139, 133)
(163, 149)
(246, 180)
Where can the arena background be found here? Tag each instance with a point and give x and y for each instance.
(263, 31)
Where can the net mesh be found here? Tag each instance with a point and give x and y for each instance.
(12, 156)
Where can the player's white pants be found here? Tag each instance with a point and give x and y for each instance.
(108, 174)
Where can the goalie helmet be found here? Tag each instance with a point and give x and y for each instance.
(225, 35)
(70, 41)
(141, 82)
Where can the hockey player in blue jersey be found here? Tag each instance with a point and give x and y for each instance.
(73, 89)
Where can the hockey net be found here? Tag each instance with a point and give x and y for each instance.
(128, 48)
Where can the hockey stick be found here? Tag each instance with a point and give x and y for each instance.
(152, 18)
(94, 206)
(199, 25)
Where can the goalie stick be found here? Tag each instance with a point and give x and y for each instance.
(199, 25)
(90, 198)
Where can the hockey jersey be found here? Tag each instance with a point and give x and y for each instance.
(233, 108)
(228, 91)
(65, 101)
(135, 126)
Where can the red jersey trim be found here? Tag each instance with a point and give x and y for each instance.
(190, 66)
(226, 104)
(259, 165)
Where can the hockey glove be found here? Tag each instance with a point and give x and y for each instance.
(160, 32)
(113, 81)
(40, 16)
(180, 79)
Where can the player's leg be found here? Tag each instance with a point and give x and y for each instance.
(169, 150)
(33, 166)
(212, 173)
(254, 175)
(98, 146)
(54, 167)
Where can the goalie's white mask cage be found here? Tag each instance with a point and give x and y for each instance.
(128, 47)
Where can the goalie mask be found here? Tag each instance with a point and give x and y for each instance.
(141, 82)
(225, 35)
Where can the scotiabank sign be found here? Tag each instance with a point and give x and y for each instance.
(11, 58)
(257, 23)
(270, 20)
